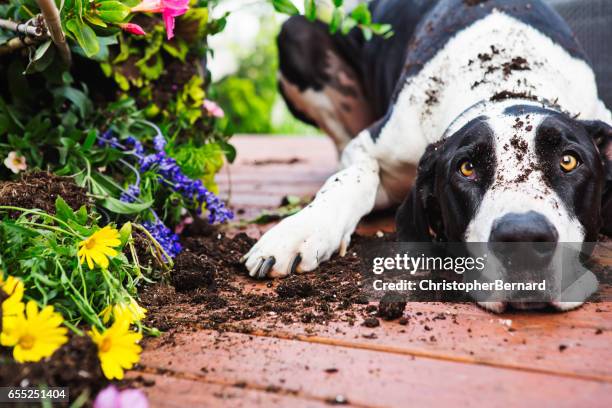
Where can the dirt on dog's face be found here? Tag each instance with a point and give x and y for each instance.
(516, 173)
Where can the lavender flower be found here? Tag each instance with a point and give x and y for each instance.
(131, 194)
(159, 143)
(170, 174)
(166, 238)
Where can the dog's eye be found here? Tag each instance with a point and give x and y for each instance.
(466, 168)
(569, 162)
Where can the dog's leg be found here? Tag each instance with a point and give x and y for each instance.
(301, 242)
(319, 83)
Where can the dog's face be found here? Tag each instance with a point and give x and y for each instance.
(516, 173)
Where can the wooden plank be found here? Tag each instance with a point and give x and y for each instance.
(173, 390)
(364, 377)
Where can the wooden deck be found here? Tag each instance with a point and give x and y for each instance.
(463, 356)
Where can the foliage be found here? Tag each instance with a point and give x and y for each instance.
(41, 250)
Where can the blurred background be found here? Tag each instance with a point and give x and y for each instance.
(245, 61)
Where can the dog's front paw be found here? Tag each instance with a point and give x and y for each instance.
(298, 244)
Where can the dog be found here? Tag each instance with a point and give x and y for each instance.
(481, 118)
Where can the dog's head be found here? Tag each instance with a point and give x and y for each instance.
(513, 173)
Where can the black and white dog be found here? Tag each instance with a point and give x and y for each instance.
(483, 113)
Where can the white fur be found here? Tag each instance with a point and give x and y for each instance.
(384, 169)
(511, 194)
(328, 222)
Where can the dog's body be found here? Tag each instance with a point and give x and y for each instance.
(493, 83)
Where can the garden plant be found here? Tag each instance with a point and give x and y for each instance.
(113, 96)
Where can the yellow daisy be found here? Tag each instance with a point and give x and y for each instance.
(12, 307)
(99, 247)
(35, 335)
(130, 310)
(118, 347)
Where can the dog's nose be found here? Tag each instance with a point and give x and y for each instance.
(526, 239)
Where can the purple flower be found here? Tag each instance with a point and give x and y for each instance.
(111, 397)
(164, 236)
(195, 194)
(131, 194)
(159, 143)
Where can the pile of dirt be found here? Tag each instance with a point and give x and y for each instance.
(40, 190)
(211, 289)
(74, 365)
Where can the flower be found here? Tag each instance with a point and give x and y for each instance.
(159, 143)
(118, 347)
(130, 310)
(213, 109)
(99, 246)
(131, 194)
(132, 28)
(15, 162)
(35, 335)
(164, 236)
(196, 195)
(12, 307)
(170, 9)
(111, 397)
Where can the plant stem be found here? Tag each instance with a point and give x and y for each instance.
(31, 30)
(15, 44)
(52, 19)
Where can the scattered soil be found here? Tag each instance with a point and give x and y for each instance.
(224, 295)
(40, 190)
(503, 95)
(192, 271)
(74, 365)
(391, 306)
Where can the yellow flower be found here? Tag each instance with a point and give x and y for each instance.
(12, 307)
(130, 310)
(118, 347)
(35, 335)
(98, 247)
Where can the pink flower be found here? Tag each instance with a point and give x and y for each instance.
(15, 162)
(213, 109)
(170, 9)
(111, 397)
(132, 28)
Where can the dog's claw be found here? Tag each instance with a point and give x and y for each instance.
(253, 272)
(265, 267)
(294, 264)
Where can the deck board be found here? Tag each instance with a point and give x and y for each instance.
(474, 357)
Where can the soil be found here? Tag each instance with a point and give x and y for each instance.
(75, 365)
(391, 306)
(40, 190)
(224, 296)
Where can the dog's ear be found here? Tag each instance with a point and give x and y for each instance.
(601, 133)
(418, 219)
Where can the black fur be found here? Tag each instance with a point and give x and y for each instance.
(442, 202)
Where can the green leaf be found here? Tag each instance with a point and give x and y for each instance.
(310, 10)
(338, 3)
(81, 215)
(113, 11)
(229, 150)
(285, 7)
(41, 58)
(336, 20)
(78, 98)
(84, 35)
(361, 14)
(92, 135)
(119, 207)
(63, 210)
